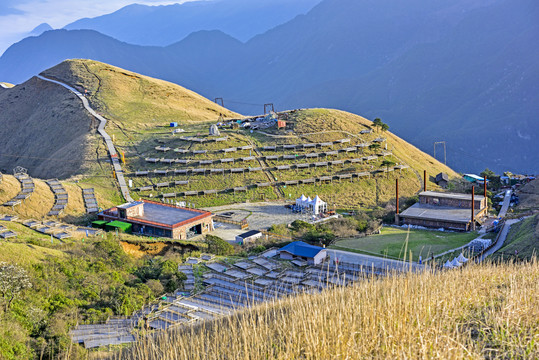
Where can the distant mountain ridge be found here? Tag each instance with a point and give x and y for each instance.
(464, 72)
(167, 24)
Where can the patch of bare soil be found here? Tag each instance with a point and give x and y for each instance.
(141, 250)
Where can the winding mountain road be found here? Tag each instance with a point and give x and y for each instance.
(101, 129)
(506, 203)
(500, 239)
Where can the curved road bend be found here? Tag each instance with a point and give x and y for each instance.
(106, 137)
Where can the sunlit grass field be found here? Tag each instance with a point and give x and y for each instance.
(392, 242)
(488, 311)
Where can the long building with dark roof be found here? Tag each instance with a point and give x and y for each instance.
(164, 220)
(450, 211)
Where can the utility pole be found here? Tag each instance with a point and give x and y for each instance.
(217, 100)
(472, 228)
(443, 143)
(268, 106)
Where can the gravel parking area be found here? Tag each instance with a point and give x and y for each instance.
(260, 216)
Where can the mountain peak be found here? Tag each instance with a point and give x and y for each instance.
(40, 29)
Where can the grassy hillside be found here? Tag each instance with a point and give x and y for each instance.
(315, 120)
(135, 103)
(42, 200)
(138, 107)
(529, 196)
(487, 311)
(523, 237)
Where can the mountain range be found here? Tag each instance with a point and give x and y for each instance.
(463, 72)
(167, 24)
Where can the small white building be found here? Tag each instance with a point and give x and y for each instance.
(248, 237)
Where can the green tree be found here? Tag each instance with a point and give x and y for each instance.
(377, 123)
(387, 163)
(13, 281)
(218, 246)
(488, 173)
(385, 127)
(494, 180)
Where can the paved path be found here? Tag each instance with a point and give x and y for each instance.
(108, 141)
(501, 239)
(506, 203)
(369, 261)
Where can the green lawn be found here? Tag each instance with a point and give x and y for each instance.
(392, 242)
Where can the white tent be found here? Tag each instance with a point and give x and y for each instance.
(461, 258)
(318, 206)
(315, 205)
(448, 265)
(455, 263)
(301, 201)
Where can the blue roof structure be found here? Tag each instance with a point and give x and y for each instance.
(299, 248)
(473, 178)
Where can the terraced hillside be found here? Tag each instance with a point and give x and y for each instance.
(332, 153)
(42, 201)
(327, 152)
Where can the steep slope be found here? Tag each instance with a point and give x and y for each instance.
(225, 172)
(45, 129)
(324, 120)
(522, 241)
(164, 25)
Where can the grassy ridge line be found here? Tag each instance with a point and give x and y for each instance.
(485, 311)
(134, 102)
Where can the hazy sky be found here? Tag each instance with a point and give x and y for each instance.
(19, 17)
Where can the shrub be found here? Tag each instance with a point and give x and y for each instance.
(218, 246)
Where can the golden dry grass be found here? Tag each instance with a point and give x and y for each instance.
(9, 188)
(133, 101)
(37, 205)
(75, 204)
(40, 203)
(487, 311)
